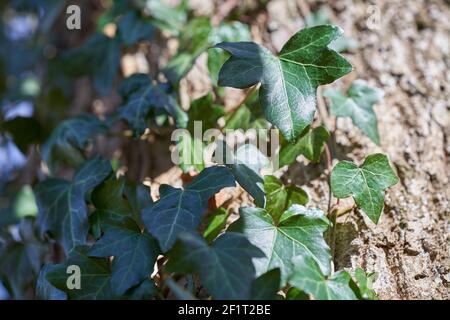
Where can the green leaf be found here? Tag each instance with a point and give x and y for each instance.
(98, 57)
(144, 291)
(300, 230)
(25, 131)
(289, 81)
(23, 205)
(115, 200)
(62, 208)
(310, 144)
(134, 253)
(245, 165)
(363, 286)
(308, 276)
(19, 266)
(180, 210)
(225, 268)
(44, 289)
(142, 97)
(68, 141)
(279, 197)
(94, 276)
(266, 286)
(134, 28)
(366, 184)
(179, 292)
(215, 224)
(166, 17)
(358, 105)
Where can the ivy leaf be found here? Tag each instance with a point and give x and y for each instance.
(310, 144)
(299, 230)
(205, 113)
(144, 291)
(98, 57)
(307, 276)
(289, 81)
(44, 289)
(358, 105)
(216, 223)
(134, 252)
(134, 28)
(68, 141)
(363, 286)
(116, 200)
(279, 197)
(141, 97)
(62, 208)
(94, 276)
(245, 165)
(225, 268)
(366, 184)
(166, 17)
(266, 286)
(180, 210)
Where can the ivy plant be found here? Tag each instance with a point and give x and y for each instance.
(88, 230)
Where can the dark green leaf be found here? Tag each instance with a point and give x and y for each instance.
(94, 276)
(181, 210)
(279, 197)
(225, 268)
(289, 81)
(134, 28)
(134, 254)
(266, 286)
(358, 105)
(62, 208)
(179, 292)
(142, 97)
(310, 144)
(68, 141)
(25, 131)
(366, 184)
(308, 276)
(44, 289)
(144, 291)
(299, 230)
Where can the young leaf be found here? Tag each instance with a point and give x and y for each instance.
(266, 286)
(68, 141)
(358, 105)
(311, 145)
(225, 268)
(299, 230)
(279, 197)
(366, 184)
(363, 286)
(308, 276)
(289, 81)
(134, 252)
(62, 208)
(216, 223)
(141, 97)
(94, 276)
(181, 210)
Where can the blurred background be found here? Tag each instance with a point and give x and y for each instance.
(49, 74)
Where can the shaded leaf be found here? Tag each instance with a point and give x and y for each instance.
(266, 286)
(289, 81)
(181, 210)
(366, 184)
(310, 144)
(68, 141)
(44, 289)
(358, 105)
(134, 28)
(134, 253)
(62, 208)
(279, 197)
(225, 268)
(94, 276)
